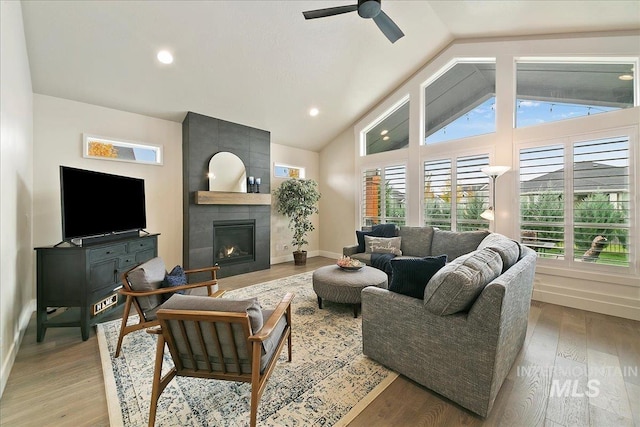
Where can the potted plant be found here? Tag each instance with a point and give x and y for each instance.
(297, 199)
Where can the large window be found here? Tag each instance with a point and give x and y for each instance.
(553, 91)
(461, 103)
(577, 209)
(456, 193)
(384, 195)
(391, 133)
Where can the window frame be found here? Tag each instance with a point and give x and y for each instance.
(441, 72)
(453, 158)
(568, 262)
(362, 201)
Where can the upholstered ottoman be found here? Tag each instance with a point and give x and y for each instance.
(334, 284)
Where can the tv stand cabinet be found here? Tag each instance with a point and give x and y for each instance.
(85, 280)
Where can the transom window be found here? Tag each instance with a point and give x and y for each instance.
(461, 103)
(390, 133)
(553, 91)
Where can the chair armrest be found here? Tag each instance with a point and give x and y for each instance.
(350, 250)
(283, 307)
(172, 289)
(211, 269)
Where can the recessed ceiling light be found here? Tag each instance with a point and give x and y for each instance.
(165, 57)
(314, 112)
(386, 138)
(384, 132)
(626, 77)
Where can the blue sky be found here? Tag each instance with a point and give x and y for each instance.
(482, 119)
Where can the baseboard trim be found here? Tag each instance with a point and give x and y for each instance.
(588, 304)
(23, 322)
(289, 257)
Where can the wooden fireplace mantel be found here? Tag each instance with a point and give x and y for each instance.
(227, 198)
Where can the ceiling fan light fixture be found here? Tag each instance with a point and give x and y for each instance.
(368, 8)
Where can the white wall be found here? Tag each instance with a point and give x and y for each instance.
(338, 180)
(281, 235)
(17, 290)
(58, 126)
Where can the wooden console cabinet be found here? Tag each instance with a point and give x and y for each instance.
(85, 280)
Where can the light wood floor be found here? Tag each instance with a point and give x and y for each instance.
(59, 382)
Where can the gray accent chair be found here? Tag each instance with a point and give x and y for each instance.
(463, 356)
(222, 339)
(142, 286)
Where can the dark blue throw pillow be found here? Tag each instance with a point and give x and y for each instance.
(175, 277)
(380, 230)
(411, 275)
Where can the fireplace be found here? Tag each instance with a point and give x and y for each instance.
(234, 241)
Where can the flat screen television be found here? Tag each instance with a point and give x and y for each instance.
(97, 203)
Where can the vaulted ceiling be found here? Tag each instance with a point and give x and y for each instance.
(260, 63)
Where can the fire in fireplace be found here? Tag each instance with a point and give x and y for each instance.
(234, 241)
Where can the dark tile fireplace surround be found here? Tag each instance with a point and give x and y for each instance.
(202, 137)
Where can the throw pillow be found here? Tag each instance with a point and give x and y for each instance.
(509, 250)
(455, 287)
(148, 276)
(383, 245)
(360, 236)
(380, 230)
(411, 275)
(176, 277)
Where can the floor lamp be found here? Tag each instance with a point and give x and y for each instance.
(492, 172)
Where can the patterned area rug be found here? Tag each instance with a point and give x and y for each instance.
(328, 382)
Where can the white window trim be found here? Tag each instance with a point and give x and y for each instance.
(569, 263)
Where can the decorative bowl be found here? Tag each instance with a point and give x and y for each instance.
(350, 268)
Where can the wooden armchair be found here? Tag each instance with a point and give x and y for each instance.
(219, 338)
(141, 286)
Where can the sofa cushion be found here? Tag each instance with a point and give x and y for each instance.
(411, 275)
(148, 276)
(456, 286)
(379, 230)
(383, 245)
(416, 241)
(228, 342)
(251, 306)
(509, 250)
(454, 244)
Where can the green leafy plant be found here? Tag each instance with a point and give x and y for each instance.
(297, 199)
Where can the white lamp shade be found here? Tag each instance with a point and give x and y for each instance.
(488, 214)
(494, 170)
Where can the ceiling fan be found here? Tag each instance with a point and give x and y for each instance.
(366, 9)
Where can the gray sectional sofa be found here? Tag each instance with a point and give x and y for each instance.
(461, 339)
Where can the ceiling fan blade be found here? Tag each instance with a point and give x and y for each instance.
(321, 13)
(388, 27)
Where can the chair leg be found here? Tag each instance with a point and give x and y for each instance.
(125, 317)
(255, 386)
(156, 389)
